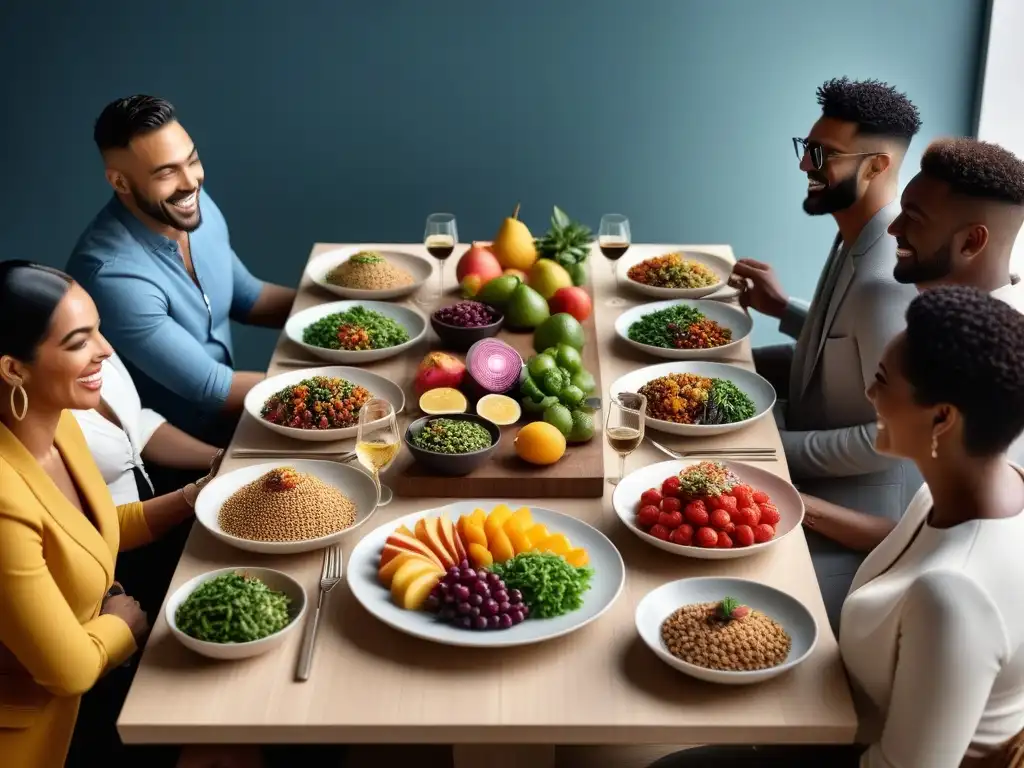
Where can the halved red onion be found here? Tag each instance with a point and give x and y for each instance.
(494, 365)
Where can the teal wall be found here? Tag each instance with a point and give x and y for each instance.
(351, 121)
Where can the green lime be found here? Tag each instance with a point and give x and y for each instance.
(579, 273)
(560, 418)
(530, 389)
(571, 395)
(561, 328)
(554, 381)
(584, 381)
(551, 352)
(569, 358)
(532, 406)
(582, 427)
(538, 365)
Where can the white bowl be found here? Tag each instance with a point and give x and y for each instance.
(756, 387)
(413, 322)
(790, 613)
(720, 265)
(277, 581)
(626, 498)
(357, 485)
(727, 316)
(417, 266)
(376, 384)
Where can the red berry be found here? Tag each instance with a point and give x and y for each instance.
(706, 537)
(743, 495)
(769, 514)
(724, 541)
(671, 504)
(650, 496)
(728, 503)
(744, 535)
(659, 532)
(760, 497)
(763, 532)
(671, 520)
(696, 513)
(748, 515)
(716, 502)
(670, 487)
(682, 535)
(648, 516)
(729, 528)
(719, 518)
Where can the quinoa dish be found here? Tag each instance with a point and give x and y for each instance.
(286, 505)
(725, 636)
(368, 271)
(319, 402)
(673, 271)
(686, 398)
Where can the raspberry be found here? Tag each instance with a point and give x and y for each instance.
(659, 532)
(724, 541)
(743, 495)
(682, 535)
(760, 497)
(763, 532)
(706, 537)
(671, 486)
(769, 514)
(648, 516)
(748, 516)
(729, 527)
(696, 513)
(650, 496)
(728, 503)
(671, 504)
(744, 535)
(719, 518)
(671, 520)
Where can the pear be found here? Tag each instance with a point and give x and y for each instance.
(514, 245)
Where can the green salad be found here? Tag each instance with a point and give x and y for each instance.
(233, 608)
(356, 329)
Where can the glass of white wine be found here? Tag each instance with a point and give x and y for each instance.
(377, 441)
(624, 428)
(440, 236)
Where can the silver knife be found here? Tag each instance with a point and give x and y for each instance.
(330, 575)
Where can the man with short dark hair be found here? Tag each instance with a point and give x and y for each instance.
(158, 262)
(852, 158)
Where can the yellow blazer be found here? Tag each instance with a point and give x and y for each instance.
(56, 566)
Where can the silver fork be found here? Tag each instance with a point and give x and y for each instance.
(330, 575)
(742, 454)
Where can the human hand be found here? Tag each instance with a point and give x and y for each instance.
(813, 512)
(759, 287)
(129, 611)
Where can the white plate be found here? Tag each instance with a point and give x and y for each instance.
(377, 385)
(790, 613)
(756, 387)
(358, 486)
(413, 322)
(626, 497)
(605, 584)
(277, 581)
(733, 318)
(720, 265)
(417, 266)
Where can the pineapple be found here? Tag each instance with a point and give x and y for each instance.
(567, 243)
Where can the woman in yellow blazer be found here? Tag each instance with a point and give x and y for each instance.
(60, 630)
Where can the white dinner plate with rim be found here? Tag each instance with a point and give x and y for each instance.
(792, 615)
(417, 266)
(756, 387)
(377, 385)
(605, 585)
(733, 318)
(414, 323)
(786, 498)
(720, 265)
(357, 485)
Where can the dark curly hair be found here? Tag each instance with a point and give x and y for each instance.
(966, 348)
(124, 119)
(976, 169)
(877, 108)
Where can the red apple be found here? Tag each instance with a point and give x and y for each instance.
(573, 300)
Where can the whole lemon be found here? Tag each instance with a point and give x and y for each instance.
(540, 443)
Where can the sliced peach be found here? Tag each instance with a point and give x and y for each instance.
(405, 531)
(556, 543)
(477, 517)
(524, 517)
(387, 571)
(417, 591)
(448, 537)
(475, 535)
(519, 540)
(460, 526)
(480, 556)
(460, 547)
(409, 543)
(409, 571)
(501, 547)
(496, 521)
(537, 534)
(428, 531)
(577, 557)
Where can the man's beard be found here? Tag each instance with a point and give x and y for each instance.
(915, 270)
(164, 212)
(834, 198)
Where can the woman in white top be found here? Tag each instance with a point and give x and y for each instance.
(932, 632)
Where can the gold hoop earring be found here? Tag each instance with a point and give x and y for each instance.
(24, 402)
(935, 447)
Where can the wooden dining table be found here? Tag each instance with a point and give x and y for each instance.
(598, 690)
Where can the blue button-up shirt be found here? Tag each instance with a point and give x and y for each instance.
(174, 336)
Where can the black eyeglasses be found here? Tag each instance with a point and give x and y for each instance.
(819, 154)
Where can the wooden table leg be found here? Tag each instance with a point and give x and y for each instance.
(503, 756)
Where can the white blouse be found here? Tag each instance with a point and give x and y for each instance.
(117, 450)
(932, 635)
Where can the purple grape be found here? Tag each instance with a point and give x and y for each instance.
(461, 592)
(517, 616)
(494, 578)
(505, 621)
(481, 589)
(504, 607)
(447, 613)
(432, 603)
(474, 611)
(476, 600)
(465, 622)
(437, 591)
(493, 622)
(448, 599)
(464, 565)
(501, 596)
(515, 596)
(453, 573)
(444, 587)
(467, 576)
(524, 609)
(480, 623)
(490, 607)
(463, 608)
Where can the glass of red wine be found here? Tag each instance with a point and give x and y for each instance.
(613, 238)
(440, 237)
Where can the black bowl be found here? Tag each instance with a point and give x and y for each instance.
(459, 339)
(452, 464)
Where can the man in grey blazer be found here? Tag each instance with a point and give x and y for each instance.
(852, 158)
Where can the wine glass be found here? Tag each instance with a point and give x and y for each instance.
(440, 237)
(378, 442)
(613, 238)
(624, 428)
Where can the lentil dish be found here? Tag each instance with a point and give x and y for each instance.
(368, 271)
(286, 505)
(679, 327)
(686, 398)
(319, 402)
(725, 636)
(673, 271)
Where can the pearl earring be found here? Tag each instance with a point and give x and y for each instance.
(935, 447)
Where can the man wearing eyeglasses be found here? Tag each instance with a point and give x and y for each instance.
(852, 158)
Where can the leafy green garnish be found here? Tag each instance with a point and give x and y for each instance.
(382, 330)
(653, 329)
(550, 585)
(727, 404)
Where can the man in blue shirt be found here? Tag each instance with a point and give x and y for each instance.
(158, 262)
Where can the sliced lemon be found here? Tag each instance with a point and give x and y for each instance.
(499, 409)
(443, 400)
